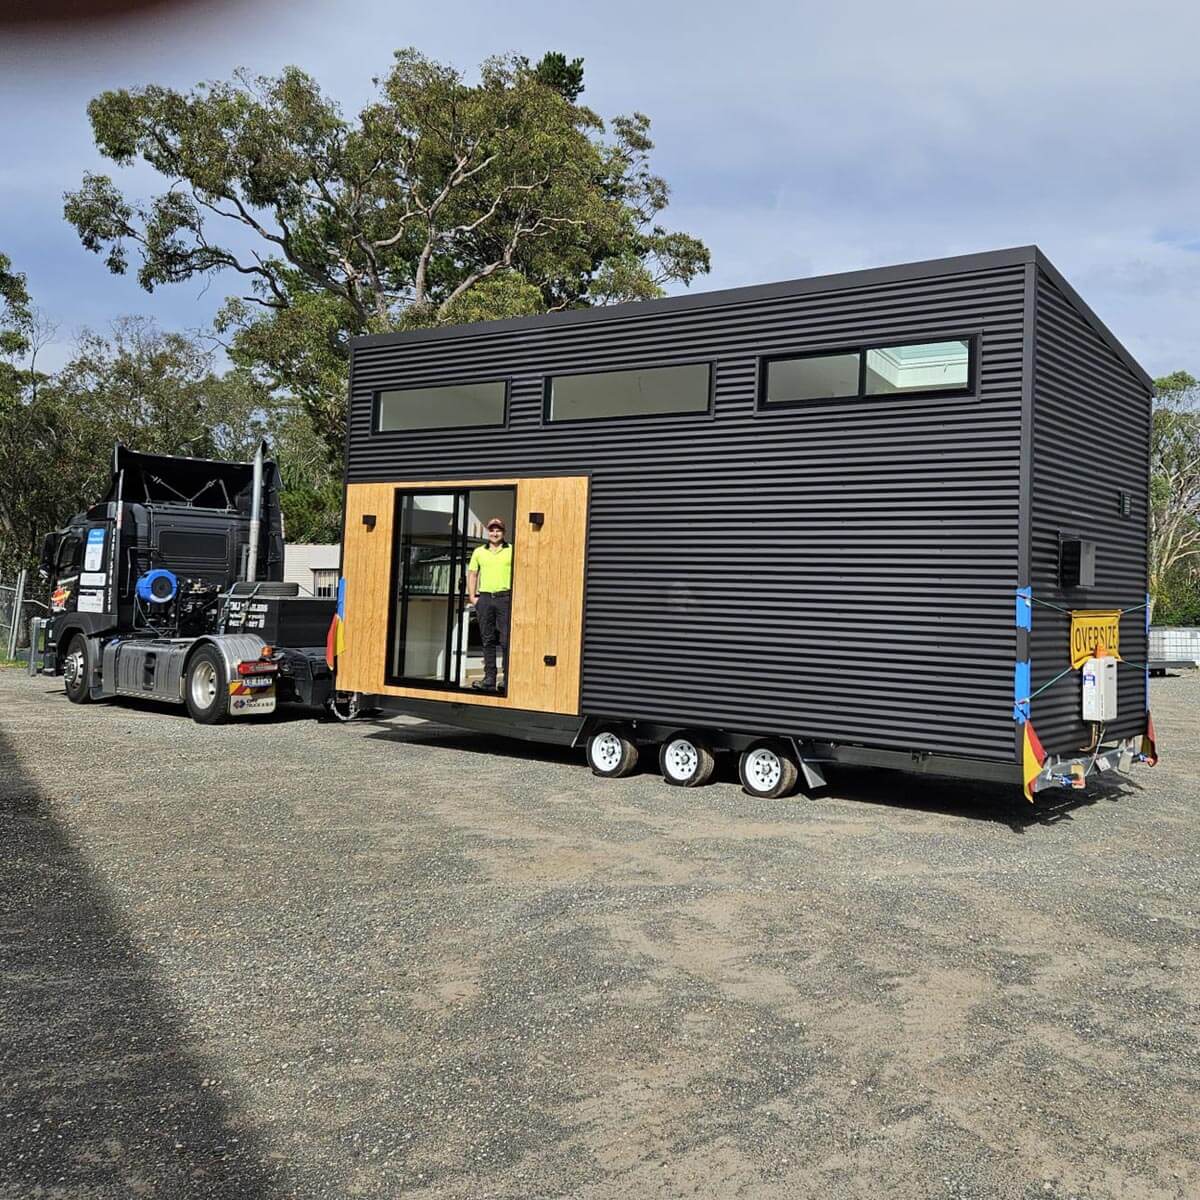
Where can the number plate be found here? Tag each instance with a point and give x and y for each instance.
(250, 696)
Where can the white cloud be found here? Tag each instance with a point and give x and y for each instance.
(798, 139)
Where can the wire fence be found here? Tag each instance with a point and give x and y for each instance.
(16, 611)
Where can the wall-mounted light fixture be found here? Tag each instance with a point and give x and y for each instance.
(537, 520)
(369, 520)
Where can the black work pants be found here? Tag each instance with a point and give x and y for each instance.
(494, 611)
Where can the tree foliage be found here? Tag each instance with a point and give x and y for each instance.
(155, 391)
(1175, 490)
(444, 200)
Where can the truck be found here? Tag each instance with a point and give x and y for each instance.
(170, 588)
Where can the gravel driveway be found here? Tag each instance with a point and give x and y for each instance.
(390, 959)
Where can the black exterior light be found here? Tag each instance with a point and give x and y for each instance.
(537, 520)
(369, 520)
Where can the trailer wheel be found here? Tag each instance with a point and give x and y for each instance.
(686, 760)
(77, 670)
(611, 754)
(205, 687)
(767, 770)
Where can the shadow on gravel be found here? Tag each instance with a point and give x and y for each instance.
(1000, 804)
(283, 715)
(100, 1095)
(430, 733)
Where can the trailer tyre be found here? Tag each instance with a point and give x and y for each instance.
(77, 670)
(206, 687)
(686, 760)
(768, 770)
(611, 754)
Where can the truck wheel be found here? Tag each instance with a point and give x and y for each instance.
(768, 771)
(611, 754)
(686, 761)
(77, 670)
(205, 688)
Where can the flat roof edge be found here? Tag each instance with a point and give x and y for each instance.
(698, 301)
(1098, 326)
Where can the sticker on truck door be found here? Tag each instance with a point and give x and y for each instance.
(93, 558)
(90, 602)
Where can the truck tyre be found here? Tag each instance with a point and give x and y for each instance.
(686, 760)
(611, 754)
(768, 770)
(77, 670)
(206, 687)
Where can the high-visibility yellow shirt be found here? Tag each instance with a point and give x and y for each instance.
(494, 567)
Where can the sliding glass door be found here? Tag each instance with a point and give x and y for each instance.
(433, 640)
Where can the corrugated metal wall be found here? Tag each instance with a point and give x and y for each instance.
(1090, 442)
(843, 571)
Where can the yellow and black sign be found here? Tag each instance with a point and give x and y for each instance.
(1092, 630)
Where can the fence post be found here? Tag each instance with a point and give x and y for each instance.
(18, 606)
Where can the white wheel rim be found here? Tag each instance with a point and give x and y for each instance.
(606, 751)
(763, 769)
(73, 667)
(204, 685)
(681, 759)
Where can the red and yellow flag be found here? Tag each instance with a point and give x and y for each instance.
(335, 639)
(1149, 749)
(1034, 756)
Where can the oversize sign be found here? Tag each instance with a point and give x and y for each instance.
(1090, 630)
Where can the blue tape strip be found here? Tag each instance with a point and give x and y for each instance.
(1147, 688)
(1024, 608)
(1022, 682)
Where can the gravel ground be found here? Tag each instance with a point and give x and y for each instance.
(391, 959)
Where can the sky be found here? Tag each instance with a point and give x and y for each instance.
(798, 138)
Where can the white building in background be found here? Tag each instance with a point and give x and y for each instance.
(314, 568)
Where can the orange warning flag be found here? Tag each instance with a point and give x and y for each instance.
(1149, 749)
(1034, 757)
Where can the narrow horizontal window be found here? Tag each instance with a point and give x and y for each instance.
(926, 367)
(455, 406)
(919, 368)
(819, 377)
(646, 392)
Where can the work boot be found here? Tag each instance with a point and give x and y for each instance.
(482, 685)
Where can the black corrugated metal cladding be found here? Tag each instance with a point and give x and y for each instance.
(1090, 443)
(841, 571)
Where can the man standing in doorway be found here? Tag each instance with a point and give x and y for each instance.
(489, 587)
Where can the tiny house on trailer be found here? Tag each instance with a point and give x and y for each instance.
(892, 517)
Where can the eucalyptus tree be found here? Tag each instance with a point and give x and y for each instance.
(443, 200)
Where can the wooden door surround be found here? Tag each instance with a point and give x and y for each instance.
(547, 612)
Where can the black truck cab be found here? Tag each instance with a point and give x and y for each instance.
(178, 559)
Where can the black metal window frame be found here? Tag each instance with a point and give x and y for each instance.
(970, 389)
(693, 414)
(377, 401)
(395, 627)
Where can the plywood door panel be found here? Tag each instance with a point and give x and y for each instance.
(548, 564)
(548, 593)
(366, 567)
